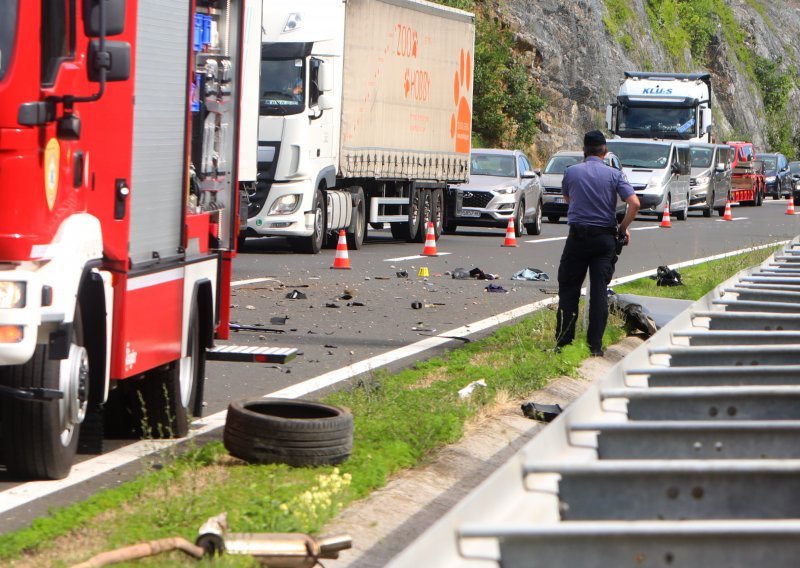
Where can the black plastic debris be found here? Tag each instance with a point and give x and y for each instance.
(666, 276)
(346, 296)
(356, 304)
(496, 288)
(477, 273)
(416, 305)
(402, 274)
(533, 274)
(296, 295)
(278, 320)
(332, 305)
(541, 412)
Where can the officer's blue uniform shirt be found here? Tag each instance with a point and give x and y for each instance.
(592, 188)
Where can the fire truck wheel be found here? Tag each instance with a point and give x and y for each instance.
(313, 243)
(46, 433)
(167, 396)
(288, 431)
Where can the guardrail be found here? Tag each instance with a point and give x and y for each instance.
(685, 454)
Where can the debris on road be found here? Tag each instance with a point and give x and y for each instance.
(143, 550)
(541, 412)
(332, 305)
(281, 550)
(496, 288)
(402, 274)
(416, 305)
(296, 295)
(278, 320)
(258, 327)
(666, 276)
(531, 274)
(470, 388)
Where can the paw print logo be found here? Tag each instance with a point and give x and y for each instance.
(461, 119)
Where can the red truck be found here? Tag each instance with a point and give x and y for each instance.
(120, 173)
(748, 184)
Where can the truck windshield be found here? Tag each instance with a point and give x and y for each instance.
(8, 26)
(282, 87)
(647, 156)
(652, 122)
(558, 164)
(701, 157)
(493, 165)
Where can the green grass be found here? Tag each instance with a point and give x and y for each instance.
(618, 21)
(697, 280)
(400, 420)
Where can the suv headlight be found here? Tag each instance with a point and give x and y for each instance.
(510, 189)
(12, 294)
(702, 180)
(285, 204)
(771, 179)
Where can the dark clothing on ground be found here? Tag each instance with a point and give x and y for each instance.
(592, 188)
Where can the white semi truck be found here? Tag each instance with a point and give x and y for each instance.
(663, 105)
(365, 117)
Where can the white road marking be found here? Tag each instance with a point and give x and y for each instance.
(254, 281)
(416, 256)
(643, 228)
(26, 492)
(547, 240)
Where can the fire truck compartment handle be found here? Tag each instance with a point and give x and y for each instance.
(122, 193)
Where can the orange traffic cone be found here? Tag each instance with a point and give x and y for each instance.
(665, 222)
(430, 241)
(341, 260)
(511, 238)
(790, 208)
(727, 216)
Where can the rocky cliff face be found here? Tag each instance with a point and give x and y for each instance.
(579, 65)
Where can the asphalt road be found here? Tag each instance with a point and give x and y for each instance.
(378, 316)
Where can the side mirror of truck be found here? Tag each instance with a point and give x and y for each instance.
(114, 15)
(529, 174)
(116, 59)
(325, 77)
(707, 119)
(325, 102)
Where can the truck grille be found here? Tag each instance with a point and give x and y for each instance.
(476, 198)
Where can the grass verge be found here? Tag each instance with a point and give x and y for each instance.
(400, 420)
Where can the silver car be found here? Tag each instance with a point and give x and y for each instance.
(554, 205)
(501, 183)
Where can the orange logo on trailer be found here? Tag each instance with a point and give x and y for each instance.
(460, 121)
(52, 154)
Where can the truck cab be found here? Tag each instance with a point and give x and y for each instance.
(673, 106)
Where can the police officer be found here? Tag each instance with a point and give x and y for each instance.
(591, 188)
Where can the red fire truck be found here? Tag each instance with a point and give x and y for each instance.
(748, 184)
(124, 140)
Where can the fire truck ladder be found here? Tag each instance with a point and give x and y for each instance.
(685, 455)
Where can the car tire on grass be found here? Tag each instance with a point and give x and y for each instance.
(295, 432)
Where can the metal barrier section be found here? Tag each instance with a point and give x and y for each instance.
(685, 455)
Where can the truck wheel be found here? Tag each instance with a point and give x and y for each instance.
(45, 434)
(438, 212)
(414, 216)
(425, 214)
(355, 240)
(759, 199)
(166, 397)
(535, 227)
(313, 243)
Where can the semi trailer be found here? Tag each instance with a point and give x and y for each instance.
(364, 119)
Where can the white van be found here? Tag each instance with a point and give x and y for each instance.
(659, 171)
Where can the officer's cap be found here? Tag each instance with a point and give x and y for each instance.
(594, 139)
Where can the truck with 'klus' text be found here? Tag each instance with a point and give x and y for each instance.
(675, 106)
(365, 117)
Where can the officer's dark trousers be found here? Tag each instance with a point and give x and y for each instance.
(592, 249)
